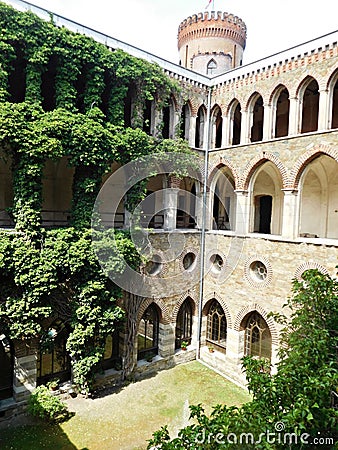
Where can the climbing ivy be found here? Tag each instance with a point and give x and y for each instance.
(48, 274)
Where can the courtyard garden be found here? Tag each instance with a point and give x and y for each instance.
(124, 419)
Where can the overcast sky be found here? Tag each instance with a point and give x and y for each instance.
(272, 25)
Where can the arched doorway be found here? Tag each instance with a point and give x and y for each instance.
(267, 200)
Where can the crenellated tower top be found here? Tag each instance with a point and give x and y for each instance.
(211, 43)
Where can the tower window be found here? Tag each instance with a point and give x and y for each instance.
(211, 67)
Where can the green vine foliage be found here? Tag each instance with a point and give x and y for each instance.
(49, 274)
(298, 398)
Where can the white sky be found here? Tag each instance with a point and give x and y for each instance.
(272, 25)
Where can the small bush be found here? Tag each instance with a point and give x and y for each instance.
(43, 404)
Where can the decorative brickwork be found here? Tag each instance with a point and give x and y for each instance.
(178, 304)
(214, 25)
(309, 265)
(306, 159)
(249, 276)
(256, 307)
(214, 295)
(223, 162)
(164, 317)
(256, 162)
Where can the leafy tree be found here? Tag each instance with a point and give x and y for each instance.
(292, 408)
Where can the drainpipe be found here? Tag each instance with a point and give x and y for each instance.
(204, 213)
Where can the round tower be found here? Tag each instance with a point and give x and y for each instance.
(211, 43)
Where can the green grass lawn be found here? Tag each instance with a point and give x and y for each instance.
(126, 419)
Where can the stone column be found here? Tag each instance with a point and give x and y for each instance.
(290, 214)
(323, 113)
(242, 212)
(267, 124)
(170, 202)
(233, 345)
(166, 340)
(245, 125)
(192, 131)
(194, 331)
(226, 121)
(293, 116)
(174, 130)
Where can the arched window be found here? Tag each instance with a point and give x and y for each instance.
(257, 120)
(257, 337)
(216, 325)
(310, 107)
(6, 368)
(211, 67)
(200, 122)
(334, 120)
(148, 117)
(185, 122)
(148, 333)
(216, 127)
(224, 206)
(166, 123)
(236, 125)
(168, 119)
(184, 323)
(17, 76)
(53, 359)
(282, 114)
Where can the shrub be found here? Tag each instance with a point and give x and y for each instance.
(42, 403)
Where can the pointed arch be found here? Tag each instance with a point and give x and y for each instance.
(215, 296)
(200, 125)
(235, 121)
(223, 198)
(308, 95)
(163, 309)
(306, 158)
(216, 126)
(211, 67)
(184, 322)
(266, 199)
(186, 113)
(280, 103)
(192, 296)
(255, 108)
(332, 88)
(259, 160)
(223, 162)
(148, 332)
(318, 187)
(252, 308)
